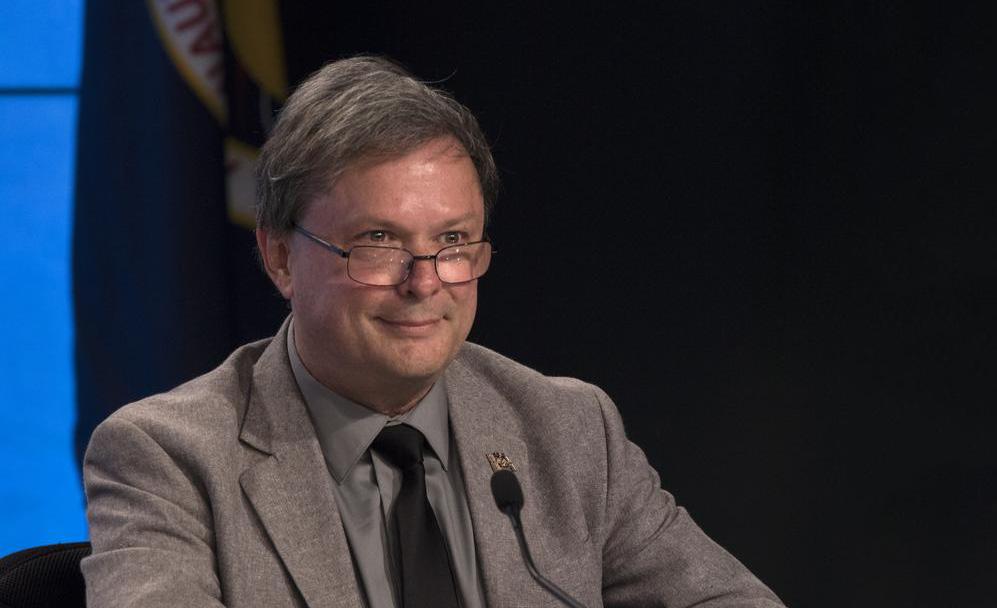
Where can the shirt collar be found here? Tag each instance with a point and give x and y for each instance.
(346, 429)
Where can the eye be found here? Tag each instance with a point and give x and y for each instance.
(377, 236)
(452, 238)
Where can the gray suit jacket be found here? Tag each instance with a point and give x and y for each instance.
(217, 493)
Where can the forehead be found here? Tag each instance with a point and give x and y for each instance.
(436, 182)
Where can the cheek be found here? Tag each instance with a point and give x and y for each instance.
(466, 297)
(355, 304)
(324, 296)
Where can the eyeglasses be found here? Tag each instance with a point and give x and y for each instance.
(381, 266)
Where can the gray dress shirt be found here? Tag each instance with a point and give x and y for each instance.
(366, 485)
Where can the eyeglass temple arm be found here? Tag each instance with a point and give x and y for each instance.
(341, 252)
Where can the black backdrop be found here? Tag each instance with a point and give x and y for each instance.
(765, 229)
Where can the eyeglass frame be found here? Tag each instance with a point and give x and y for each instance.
(345, 254)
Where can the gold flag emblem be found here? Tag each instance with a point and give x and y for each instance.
(500, 462)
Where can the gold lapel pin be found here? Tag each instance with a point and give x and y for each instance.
(500, 462)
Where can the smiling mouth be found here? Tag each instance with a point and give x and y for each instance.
(411, 323)
(411, 327)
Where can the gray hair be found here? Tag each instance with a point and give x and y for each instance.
(351, 110)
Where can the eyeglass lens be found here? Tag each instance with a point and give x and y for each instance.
(384, 266)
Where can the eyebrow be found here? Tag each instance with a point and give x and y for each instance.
(467, 217)
(375, 221)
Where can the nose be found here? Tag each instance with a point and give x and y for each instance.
(422, 280)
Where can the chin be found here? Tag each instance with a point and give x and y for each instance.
(419, 361)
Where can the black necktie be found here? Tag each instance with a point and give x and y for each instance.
(426, 577)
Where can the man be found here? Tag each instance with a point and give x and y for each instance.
(346, 461)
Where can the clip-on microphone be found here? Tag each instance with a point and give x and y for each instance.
(509, 499)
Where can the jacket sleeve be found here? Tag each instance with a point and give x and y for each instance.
(654, 554)
(150, 525)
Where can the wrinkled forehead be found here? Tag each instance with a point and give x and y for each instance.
(434, 185)
(445, 147)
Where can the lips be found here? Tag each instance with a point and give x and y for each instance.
(408, 327)
(411, 322)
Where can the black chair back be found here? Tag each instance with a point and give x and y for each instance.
(44, 577)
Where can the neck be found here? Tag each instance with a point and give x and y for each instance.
(389, 396)
(392, 403)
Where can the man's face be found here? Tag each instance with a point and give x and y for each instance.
(363, 341)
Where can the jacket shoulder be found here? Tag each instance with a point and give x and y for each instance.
(210, 405)
(500, 368)
(524, 387)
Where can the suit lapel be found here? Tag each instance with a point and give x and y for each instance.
(483, 422)
(291, 490)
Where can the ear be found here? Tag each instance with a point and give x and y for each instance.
(276, 260)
